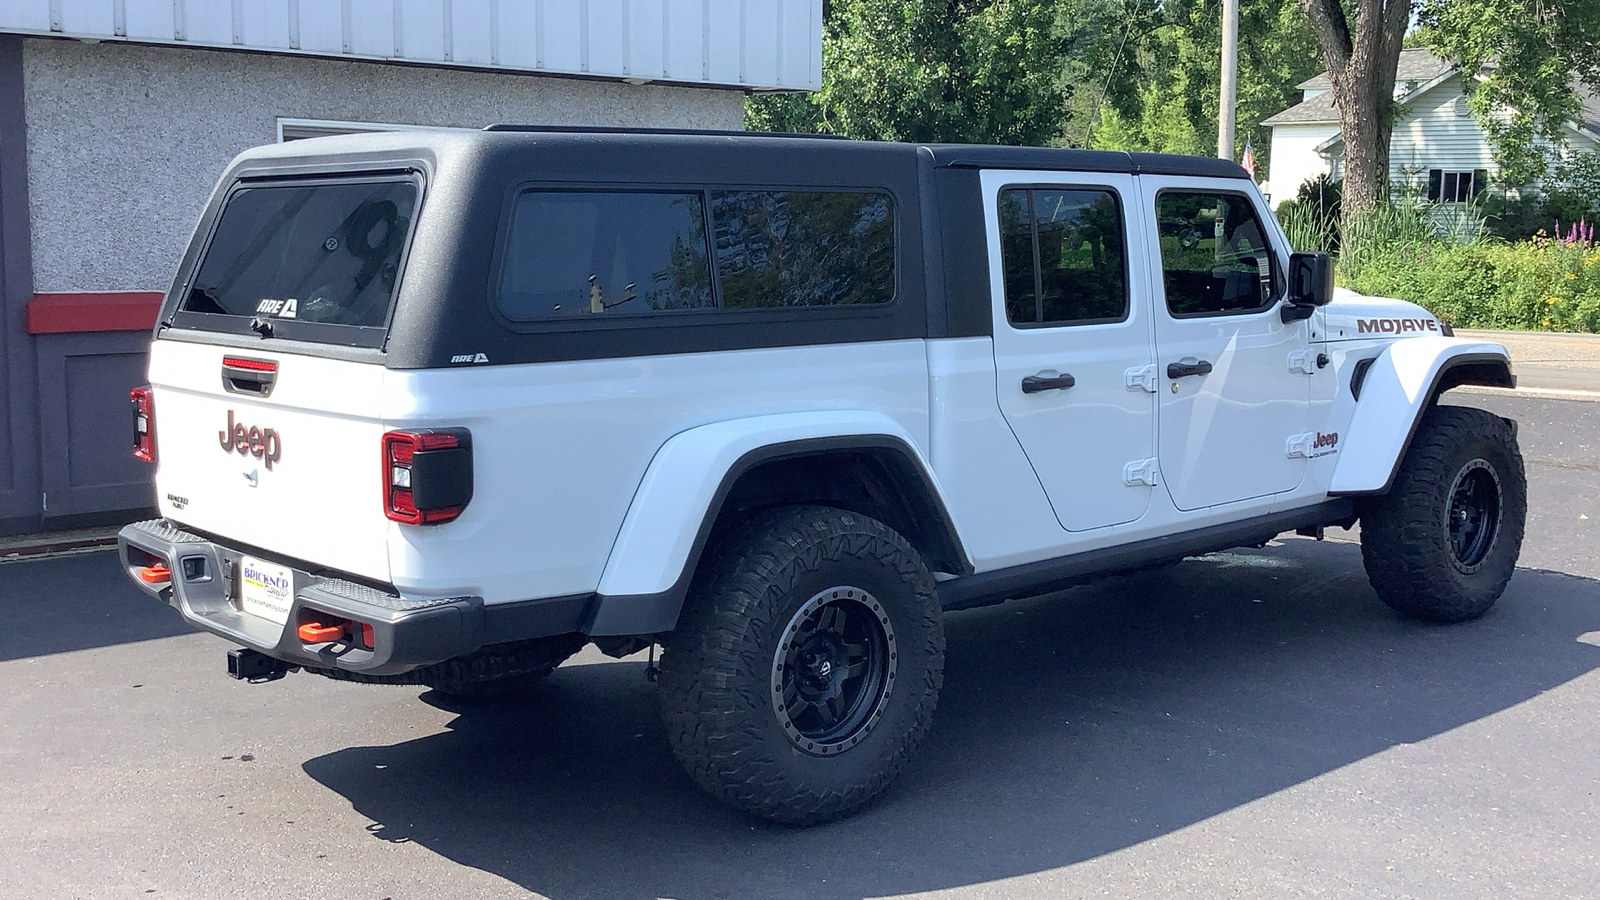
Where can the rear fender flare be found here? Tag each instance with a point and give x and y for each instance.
(1395, 391)
(652, 560)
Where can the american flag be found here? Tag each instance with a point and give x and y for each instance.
(1248, 161)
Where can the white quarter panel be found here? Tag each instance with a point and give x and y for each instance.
(560, 449)
(990, 490)
(664, 518)
(1392, 396)
(320, 501)
(1080, 440)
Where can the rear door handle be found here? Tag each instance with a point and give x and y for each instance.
(1188, 366)
(1048, 380)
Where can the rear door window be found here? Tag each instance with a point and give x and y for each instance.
(316, 260)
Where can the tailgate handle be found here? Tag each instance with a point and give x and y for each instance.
(243, 375)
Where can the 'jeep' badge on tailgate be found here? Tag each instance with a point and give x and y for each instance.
(262, 443)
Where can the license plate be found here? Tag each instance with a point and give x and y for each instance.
(265, 589)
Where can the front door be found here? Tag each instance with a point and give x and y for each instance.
(1235, 384)
(1071, 322)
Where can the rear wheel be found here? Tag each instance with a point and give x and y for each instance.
(806, 667)
(1441, 545)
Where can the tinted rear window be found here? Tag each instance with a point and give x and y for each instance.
(320, 253)
(576, 252)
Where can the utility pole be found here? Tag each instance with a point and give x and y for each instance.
(1230, 78)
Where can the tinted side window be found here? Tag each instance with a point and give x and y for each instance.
(1064, 256)
(803, 248)
(1215, 258)
(590, 253)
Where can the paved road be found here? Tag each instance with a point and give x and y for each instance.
(1251, 724)
(1563, 362)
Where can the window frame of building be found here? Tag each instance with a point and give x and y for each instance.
(1446, 185)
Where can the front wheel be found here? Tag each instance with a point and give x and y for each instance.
(806, 667)
(1441, 545)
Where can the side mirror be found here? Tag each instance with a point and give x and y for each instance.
(1310, 279)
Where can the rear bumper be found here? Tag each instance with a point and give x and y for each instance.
(406, 633)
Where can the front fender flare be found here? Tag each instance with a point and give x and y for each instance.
(1395, 391)
(647, 573)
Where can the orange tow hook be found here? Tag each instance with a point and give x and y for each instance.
(156, 574)
(318, 633)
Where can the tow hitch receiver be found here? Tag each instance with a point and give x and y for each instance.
(248, 665)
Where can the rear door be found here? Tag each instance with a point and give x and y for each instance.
(269, 381)
(1072, 339)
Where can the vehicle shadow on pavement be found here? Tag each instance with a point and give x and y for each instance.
(1069, 728)
(115, 612)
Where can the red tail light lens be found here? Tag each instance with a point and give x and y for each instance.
(427, 475)
(144, 423)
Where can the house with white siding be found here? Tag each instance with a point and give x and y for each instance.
(1436, 145)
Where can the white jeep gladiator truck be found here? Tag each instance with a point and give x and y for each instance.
(443, 408)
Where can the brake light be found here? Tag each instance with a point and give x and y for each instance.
(427, 475)
(144, 423)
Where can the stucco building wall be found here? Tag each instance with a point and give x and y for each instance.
(125, 141)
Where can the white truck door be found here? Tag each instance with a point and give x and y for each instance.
(1235, 379)
(1071, 307)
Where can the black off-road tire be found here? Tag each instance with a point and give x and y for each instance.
(1462, 461)
(727, 662)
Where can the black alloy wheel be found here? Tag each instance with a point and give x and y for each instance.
(833, 670)
(1474, 517)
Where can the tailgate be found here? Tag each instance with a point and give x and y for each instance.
(294, 473)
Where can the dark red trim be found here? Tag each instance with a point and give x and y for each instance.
(109, 311)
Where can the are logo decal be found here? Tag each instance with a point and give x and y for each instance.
(283, 309)
(1395, 326)
(469, 358)
(264, 444)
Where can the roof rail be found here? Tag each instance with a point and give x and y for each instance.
(703, 132)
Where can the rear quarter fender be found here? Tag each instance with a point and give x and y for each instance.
(669, 522)
(1402, 382)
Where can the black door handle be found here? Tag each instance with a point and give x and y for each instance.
(1188, 366)
(1033, 384)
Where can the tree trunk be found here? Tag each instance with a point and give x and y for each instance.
(1361, 66)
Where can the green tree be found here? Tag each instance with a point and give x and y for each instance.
(1529, 56)
(980, 71)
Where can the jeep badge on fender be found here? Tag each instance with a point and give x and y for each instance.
(262, 443)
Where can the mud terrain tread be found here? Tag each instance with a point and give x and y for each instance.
(715, 671)
(1403, 544)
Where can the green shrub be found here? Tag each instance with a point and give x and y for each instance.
(1540, 284)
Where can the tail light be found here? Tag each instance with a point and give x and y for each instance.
(144, 423)
(427, 475)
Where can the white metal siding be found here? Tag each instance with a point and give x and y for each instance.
(1295, 159)
(756, 44)
(1437, 132)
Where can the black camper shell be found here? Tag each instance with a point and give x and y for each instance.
(444, 311)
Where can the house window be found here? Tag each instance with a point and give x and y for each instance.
(1457, 187)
